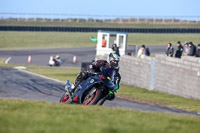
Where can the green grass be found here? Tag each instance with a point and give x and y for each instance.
(130, 92)
(44, 39)
(39, 116)
(17, 40)
(161, 39)
(144, 95)
(91, 24)
(20, 116)
(60, 73)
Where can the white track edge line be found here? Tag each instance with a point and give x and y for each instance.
(42, 76)
(7, 60)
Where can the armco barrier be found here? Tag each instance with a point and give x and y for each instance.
(95, 29)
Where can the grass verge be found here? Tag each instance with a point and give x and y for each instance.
(128, 92)
(155, 97)
(13, 40)
(20, 116)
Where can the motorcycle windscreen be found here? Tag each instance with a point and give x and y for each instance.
(107, 76)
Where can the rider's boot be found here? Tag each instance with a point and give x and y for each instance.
(69, 88)
(112, 97)
(72, 88)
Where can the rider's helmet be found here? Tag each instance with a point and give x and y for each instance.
(113, 60)
(57, 57)
(114, 47)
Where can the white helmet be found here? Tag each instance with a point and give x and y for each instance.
(57, 57)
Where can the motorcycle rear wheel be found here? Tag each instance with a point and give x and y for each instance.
(92, 97)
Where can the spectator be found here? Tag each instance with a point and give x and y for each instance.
(147, 52)
(192, 49)
(141, 52)
(179, 50)
(170, 50)
(103, 42)
(186, 49)
(198, 51)
(115, 49)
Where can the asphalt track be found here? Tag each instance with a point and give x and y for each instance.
(21, 84)
(83, 54)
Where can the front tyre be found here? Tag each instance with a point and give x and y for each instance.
(93, 96)
(65, 99)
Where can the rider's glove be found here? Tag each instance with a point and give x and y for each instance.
(116, 88)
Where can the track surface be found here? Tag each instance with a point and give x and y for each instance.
(19, 84)
(83, 54)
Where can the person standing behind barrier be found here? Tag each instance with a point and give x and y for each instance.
(103, 42)
(115, 49)
(170, 50)
(179, 50)
(141, 52)
(192, 51)
(198, 51)
(186, 49)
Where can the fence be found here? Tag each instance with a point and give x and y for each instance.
(99, 19)
(95, 29)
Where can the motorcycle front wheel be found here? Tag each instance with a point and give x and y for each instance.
(92, 97)
(65, 99)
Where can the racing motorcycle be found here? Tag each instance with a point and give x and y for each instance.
(56, 61)
(95, 90)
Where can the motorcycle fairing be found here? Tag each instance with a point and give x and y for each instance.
(84, 86)
(104, 77)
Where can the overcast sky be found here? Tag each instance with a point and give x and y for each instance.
(104, 7)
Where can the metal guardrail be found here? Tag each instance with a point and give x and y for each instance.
(95, 29)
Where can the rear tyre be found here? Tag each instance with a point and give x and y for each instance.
(65, 99)
(92, 97)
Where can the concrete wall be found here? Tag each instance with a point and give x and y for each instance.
(166, 74)
(135, 71)
(178, 76)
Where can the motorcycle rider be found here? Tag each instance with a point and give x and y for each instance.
(57, 60)
(95, 67)
(115, 49)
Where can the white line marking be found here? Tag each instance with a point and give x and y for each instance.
(7, 60)
(20, 68)
(35, 74)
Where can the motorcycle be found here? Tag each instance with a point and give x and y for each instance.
(54, 62)
(95, 90)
